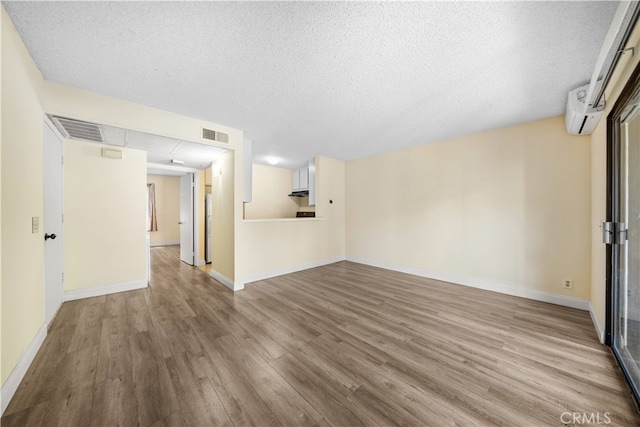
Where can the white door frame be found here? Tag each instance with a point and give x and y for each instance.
(54, 284)
(187, 219)
(198, 258)
(198, 208)
(208, 204)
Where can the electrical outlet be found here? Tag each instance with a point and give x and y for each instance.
(567, 283)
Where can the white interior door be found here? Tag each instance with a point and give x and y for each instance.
(52, 224)
(187, 188)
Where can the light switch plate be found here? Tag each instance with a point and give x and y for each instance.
(35, 224)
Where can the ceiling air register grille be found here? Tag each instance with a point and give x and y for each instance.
(78, 129)
(214, 135)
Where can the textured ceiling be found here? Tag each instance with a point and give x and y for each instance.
(345, 80)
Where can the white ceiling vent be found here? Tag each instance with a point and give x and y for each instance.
(77, 129)
(213, 135)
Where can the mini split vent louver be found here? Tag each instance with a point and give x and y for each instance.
(213, 135)
(78, 129)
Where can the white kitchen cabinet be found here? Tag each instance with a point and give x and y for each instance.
(300, 179)
(312, 182)
(295, 180)
(304, 179)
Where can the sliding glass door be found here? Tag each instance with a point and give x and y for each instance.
(622, 233)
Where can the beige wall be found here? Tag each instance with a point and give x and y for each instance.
(271, 189)
(167, 209)
(506, 209)
(207, 181)
(599, 178)
(22, 274)
(272, 247)
(223, 216)
(105, 217)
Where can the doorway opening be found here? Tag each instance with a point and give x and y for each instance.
(181, 213)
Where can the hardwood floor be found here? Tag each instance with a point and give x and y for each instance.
(343, 344)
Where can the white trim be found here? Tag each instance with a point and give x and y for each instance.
(54, 128)
(200, 263)
(234, 286)
(105, 290)
(564, 300)
(197, 210)
(238, 285)
(169, 243)
(147, 243)
(596, 323)
(292, 269)
(15, 377)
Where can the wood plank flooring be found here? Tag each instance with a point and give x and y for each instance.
(343, 345)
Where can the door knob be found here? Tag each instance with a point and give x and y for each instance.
(49, 236)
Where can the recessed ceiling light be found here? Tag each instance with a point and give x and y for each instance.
(273, 160)
(177, 162)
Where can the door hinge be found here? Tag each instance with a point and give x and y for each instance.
(62, 160)
(62, 277)
(614, 233)
(62, 218)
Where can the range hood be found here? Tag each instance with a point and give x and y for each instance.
(301, 193)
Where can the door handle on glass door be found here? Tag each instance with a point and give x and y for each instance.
(49, 236)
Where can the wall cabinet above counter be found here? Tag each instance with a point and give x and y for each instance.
(303, 182)
(300, 179)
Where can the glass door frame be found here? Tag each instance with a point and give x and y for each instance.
(614, 199)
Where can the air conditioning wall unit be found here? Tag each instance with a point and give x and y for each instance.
(585, 104)
(581, 118)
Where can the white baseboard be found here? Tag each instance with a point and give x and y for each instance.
(564, 300)
(200, 263)
(15, 377)
(234, 286)
(596, 323)
(169, 243)
(104, 290)
(291, 269)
